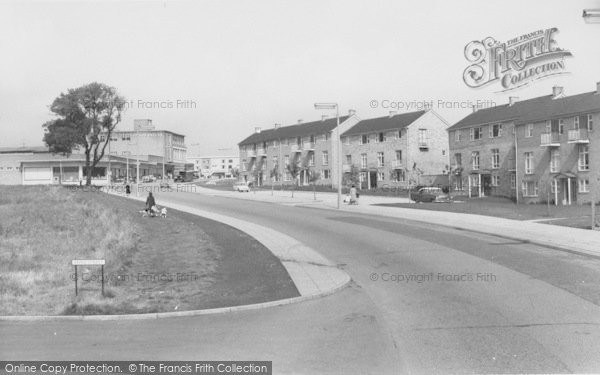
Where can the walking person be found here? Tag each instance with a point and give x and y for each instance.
(353, 195)
(150, 204)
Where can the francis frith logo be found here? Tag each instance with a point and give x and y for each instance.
(516, 62)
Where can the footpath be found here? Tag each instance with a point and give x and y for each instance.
(576, 240)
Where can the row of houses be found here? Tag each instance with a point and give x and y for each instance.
(538, 149)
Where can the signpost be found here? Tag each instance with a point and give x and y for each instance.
(89, 262)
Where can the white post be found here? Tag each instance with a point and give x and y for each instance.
(127, 161)
(338, 141)
(469, 179)
(555, 182)
(479, 183)
(569, 191)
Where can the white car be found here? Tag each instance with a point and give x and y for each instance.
(241, 187)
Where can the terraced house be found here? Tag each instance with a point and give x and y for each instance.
(265, 155)
(398, 149)
(540, 149)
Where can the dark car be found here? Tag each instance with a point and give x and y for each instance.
(429, 194)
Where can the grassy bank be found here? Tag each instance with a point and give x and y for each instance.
(152, 264)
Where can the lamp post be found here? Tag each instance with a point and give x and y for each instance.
(592, 16)
(338, 143)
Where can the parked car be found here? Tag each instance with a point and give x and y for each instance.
(241, 187)
(429, 194)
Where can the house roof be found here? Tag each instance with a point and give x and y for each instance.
(291, 131)
(384, 123)
(533, 110)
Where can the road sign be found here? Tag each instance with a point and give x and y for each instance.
(89, 262)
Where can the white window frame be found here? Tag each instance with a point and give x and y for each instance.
(583, 158)
(528, 158)
(363, 161)
(457, 135)
(583, 185)
(495, 158)
(590, 122)
(380, 159)
(495, 180)
(325, 158)
(554, 161)
(529, 131)
(576, 122)
(475, 162)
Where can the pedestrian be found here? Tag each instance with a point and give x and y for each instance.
(127, 190)
(150, 203)
(353, 195)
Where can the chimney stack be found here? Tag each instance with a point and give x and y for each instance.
(352, 112)
(277, 126)
(557, 91)
(393, 113)
(475, 108)
(426, 106)
(323, 117)
(257, 130)
(598, 88)
(300, 121)
(512, 100)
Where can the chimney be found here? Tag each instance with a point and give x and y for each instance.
(426, 106)
(323, 117)
(352, 112)
(475, 108)
(276, 126)
(557, 91)
(300, 121)
(257, 130)
(393, 113)
(512, 100)
(598, 88)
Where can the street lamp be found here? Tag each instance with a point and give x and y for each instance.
(338, 143)
(591, 15)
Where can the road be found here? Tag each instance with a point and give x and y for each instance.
(424, 300)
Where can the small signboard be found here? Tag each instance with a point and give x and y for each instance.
(88, 262)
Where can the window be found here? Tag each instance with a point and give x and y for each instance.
(457, 135)
(364, 139)
(475, 159)
(554, 161)
(529, 131)
(380, 159)
(325, 158)
(576, 122)
(399, 175)
(311, 159)
(495, 158)
(495, 130)
(362, 177)
(312, 139)
(287, 176)
(590, 122)
(528, 162)
(475, 133)
(530, 188)
(561, 126)
(399, 155)
(584, 185)
(286, 160)
(583, 164)
(513, 181)
(398, 134)
(495, 180)
(326, 173)
(349, 159)
(443, 152)
(363, 160)
(381, 137)
(554, 186)
(274, 161)
(380, 176)
(423, 139)
(457, 160)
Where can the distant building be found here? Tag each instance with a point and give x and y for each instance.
(216, 166)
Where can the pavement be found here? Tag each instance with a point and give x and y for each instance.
(313, 274)
(580, 241)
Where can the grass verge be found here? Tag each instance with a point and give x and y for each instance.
(179, 263)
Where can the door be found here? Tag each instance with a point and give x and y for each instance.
(487, 184)
(372, 180)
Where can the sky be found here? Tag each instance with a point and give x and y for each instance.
(215, 70)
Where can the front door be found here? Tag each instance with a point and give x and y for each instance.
(486, 180)
(372, 180)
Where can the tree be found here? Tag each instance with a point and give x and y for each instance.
(275, 176)
(352, 177)
(83, 114)
(313, 177)
(294, 169)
